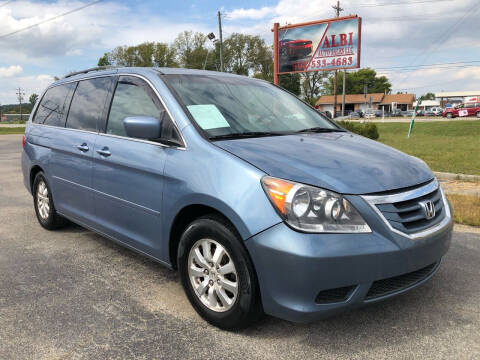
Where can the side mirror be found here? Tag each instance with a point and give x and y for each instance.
(143, 127)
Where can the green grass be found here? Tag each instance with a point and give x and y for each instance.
(12, 130)
(445, 146)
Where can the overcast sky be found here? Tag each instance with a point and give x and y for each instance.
(396, 33)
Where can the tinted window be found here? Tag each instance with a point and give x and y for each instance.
(134, 97)
(54, 105)
(88, 103)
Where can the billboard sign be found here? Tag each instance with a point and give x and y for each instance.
(319, 46)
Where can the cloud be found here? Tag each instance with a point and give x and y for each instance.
(10, 71)
(250, 13)
(30, 84)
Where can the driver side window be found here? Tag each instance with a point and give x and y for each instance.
(134, 97)
(130, 99)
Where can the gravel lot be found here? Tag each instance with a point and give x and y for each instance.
(73, 294)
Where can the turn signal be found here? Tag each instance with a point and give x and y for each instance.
(23, 141)
(277, 191)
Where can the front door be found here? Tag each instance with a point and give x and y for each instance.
(128, 173)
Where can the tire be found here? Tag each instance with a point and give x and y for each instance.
(478, 114)
(43, 203)
(449, 115)
(237, 284)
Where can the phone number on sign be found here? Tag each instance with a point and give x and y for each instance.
(340, 61)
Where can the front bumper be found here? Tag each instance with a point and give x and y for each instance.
(293, 268)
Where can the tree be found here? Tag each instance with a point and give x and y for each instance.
(356, 82)
(144, 54)
(427, 96)
(33, 99)
(104, 60)
(190, 49)
(312, 84)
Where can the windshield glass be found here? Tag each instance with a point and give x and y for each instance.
(225, 106)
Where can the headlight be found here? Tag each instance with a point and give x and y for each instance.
(313, 209)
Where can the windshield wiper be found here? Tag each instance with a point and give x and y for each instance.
(249, 134)
(319, 130)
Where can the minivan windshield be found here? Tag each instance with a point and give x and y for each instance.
(234, 107)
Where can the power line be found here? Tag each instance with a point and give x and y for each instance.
(403, 3)
(50, 19)
(5, 3)
(447, 35)
(427, 65)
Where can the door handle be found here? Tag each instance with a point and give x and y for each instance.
(83, 147)
(104, 152)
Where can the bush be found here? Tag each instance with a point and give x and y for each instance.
(368, 130)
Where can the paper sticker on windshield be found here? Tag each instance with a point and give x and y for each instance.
(208, 116)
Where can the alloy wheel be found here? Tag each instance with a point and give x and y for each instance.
(43, 200)
(213, 275)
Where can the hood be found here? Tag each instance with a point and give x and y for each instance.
(341, 162)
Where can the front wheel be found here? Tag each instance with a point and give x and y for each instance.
(217, 274)
(478, 114)
(449, 115)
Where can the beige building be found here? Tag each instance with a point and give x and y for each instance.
(355, 102)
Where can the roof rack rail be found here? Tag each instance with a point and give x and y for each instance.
(97, 68)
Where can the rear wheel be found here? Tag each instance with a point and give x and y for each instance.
(449, 115)
(478, 114)
(217, 274)
(43, 203)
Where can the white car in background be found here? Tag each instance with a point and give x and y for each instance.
(437, 110)
(369, 114)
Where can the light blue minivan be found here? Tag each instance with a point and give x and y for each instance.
(261, 203)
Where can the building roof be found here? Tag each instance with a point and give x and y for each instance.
(398, 98)
(350, 99)
(457, 94)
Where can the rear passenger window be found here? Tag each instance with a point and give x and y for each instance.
(134, 97)
(88, 103)
(54, 105)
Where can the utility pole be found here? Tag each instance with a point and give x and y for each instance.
(219, 15)
(20, 95)
(337, 9)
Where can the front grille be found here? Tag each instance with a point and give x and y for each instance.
(334, 295)
(408, 216)
(397, 283)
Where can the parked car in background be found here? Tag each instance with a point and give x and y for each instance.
(420, 112)
(429, 113)
(437, 111)
(407, 113)
(369, 114)
(354, 115)
(469, 109)
(378, 113)
(396, 112)
(260, 202)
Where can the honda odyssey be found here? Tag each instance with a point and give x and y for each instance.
(262, 204)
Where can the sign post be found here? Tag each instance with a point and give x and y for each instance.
(275, 54)
(324, 45)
